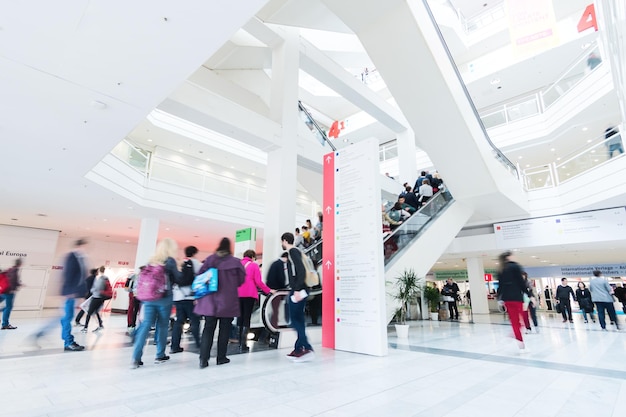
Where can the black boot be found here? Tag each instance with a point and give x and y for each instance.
(243, 338)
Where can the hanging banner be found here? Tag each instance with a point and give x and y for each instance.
(532, 26)
(244, 239)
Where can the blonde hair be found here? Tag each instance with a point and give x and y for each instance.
(167, 248)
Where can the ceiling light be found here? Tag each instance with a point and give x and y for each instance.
(167, 229)
(520, 157)
(495, 81)
(207, 137)
(127, 241)
(593, 151)
(544, 261)
(552, 150)
(585, 129)
(589, 140)
(558, 159)
(149, 140)
(180, 150)
(527, 165)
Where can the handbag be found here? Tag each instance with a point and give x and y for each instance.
(558, 308)
(85, 304)
(205, 283)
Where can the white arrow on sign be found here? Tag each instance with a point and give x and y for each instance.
(329, 264)
(328, 210)
(328, 159)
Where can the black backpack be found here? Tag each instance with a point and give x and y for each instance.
(188, 274)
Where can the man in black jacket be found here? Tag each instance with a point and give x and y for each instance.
(302, 351)
(563, 292)
(450, 293)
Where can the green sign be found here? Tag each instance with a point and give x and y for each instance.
(245, 235)
(458, 275)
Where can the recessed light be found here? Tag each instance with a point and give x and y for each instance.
(180, 150)
(149, 140)
(552, 149)
(589, 140)
(127, 241)
(105, 220)
(543, 261)
(585, 129)
(167, 229)
(527, 165)
(520, 157)
(558, 159)
(495, 81)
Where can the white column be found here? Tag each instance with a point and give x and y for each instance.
(406, 157)
(478, 293)
(282, 163)
(147, 241)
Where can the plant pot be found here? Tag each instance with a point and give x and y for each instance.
(402, 331)
(434, 316)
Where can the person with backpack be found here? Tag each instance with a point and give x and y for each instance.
(222, 305)
(249, 295)
(303, 351)
(101, 291)
(88, 284)
(154, 290)
(183, 301)
(13, 276)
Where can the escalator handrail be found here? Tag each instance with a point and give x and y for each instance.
(280, 293)
(424, 207)
(319, 129)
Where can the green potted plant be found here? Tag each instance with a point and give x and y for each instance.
(432, 298)
(407, 289)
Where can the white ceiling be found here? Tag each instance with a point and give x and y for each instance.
(54, 73)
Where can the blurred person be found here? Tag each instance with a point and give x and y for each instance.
(88, 284)
(563, 293)
(319, 225)
(602, 296)
(548, 296)
(397, 213)
(405, 206)
(73, 286)
(389, 224)
(533, 302)
(583, 295)
(409, 198)
(221, 306)
(15, 283)
(134, 305)
(296, 271)
(101, 291)
(593, 60)
(184, 301)
(158, 310)
(620, 294)
(278, 279)
(299, 240)
(511, 291)
(425, 192)
(248, 295)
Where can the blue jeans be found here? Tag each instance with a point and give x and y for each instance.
(7, 309)
(184, 311)
(66, 322)
(158, 310)
(296, 313)
(602, 306)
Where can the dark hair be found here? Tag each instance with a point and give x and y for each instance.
(93, 271)
(423, 174)
(524, 274)
(80, 242)
(580, 282)
(18, 262)
(397, 206)
(285, 255)
(597, 273)
(563, 279)
(224, 246)
(297, 230)
(408, 188)
(190, 251)
(101, 269)
(288, 237)
(502, 259)
(249, 254)
(304, 227)
(425, 181)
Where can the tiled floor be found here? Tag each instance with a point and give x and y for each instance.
(443, 369)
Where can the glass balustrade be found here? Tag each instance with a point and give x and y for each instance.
(411, 228)
(133, 156)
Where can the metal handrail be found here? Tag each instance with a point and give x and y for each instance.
(498, 153)
(319, 129)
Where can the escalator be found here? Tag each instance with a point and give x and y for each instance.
(417, 244)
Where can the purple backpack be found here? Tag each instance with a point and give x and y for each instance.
(151, 283)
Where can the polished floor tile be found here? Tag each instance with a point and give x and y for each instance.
(443, 369)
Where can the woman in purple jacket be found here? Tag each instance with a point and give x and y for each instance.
(248, 295)
(221, 305)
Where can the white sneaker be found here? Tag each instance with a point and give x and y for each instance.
(307, 356)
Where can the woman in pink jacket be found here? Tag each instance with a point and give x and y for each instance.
(248, 295)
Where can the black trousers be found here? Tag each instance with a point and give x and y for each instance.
(94, 307)
(566, 309)
(210, 323)
(246, 305)
(454, 310)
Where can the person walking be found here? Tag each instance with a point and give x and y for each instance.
(302, 351)
(162, 263)
(548, 297)
(531, 310)
(88, 284)
(13, 274)
(184, 301)
(511, 291)
(602, 296)
(100, 292)
(563, 293)
(221, 306)
(583, 295)
(249, 295)
(73, 286)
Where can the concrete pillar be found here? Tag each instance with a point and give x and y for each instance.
(407, 164)
(478, 294)
(146, 245)
(282, 163)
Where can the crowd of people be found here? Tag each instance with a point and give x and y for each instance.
(164, 282)
(411, 199)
